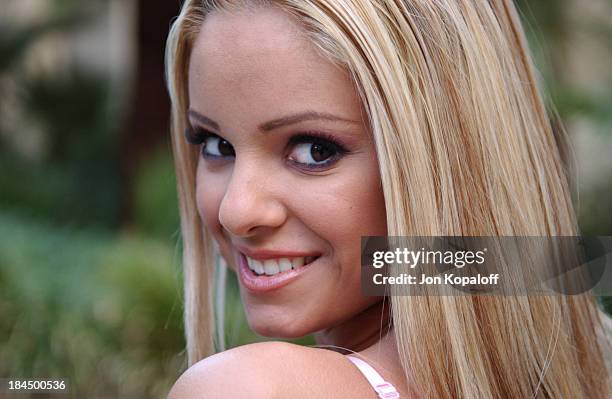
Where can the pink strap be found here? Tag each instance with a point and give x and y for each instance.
(384, 389)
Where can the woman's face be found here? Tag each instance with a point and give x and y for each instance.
(287, 180)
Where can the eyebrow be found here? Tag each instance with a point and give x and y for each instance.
(280, 122)
(202, 119)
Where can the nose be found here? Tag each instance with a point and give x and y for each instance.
(249, 204)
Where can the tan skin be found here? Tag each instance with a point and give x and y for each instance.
(251, 73)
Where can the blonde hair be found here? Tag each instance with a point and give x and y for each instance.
(465, 147)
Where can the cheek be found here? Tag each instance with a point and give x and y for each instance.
(370, 213)
(351, 205)
(210, 189)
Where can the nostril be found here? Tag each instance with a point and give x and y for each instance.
(245, 211)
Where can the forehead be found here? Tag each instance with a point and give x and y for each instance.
(258, 61)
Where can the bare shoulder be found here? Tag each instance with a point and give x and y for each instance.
(235, 373)
(272, 370)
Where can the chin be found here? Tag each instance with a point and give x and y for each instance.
(286, 329)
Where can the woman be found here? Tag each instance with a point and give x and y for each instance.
(300, 126)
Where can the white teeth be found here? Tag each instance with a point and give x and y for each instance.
(271, 267)
(297, 262)
(285, 264)
(255, 265)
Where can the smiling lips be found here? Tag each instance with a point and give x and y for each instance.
(264, 270)
(271, 267)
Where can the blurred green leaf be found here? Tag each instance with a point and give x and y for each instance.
(155, 197)
(15, 41)
(103, 311)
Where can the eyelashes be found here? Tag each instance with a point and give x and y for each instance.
(213, 146)
(196, 136)
(315, 150)
(318, 138)
(309, 150)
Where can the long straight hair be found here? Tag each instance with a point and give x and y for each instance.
(464, 147)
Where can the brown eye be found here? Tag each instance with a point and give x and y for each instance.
(315, 151)
(320, 153)
(314, 154)
(215, 146)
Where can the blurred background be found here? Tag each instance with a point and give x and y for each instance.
(90, 279)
